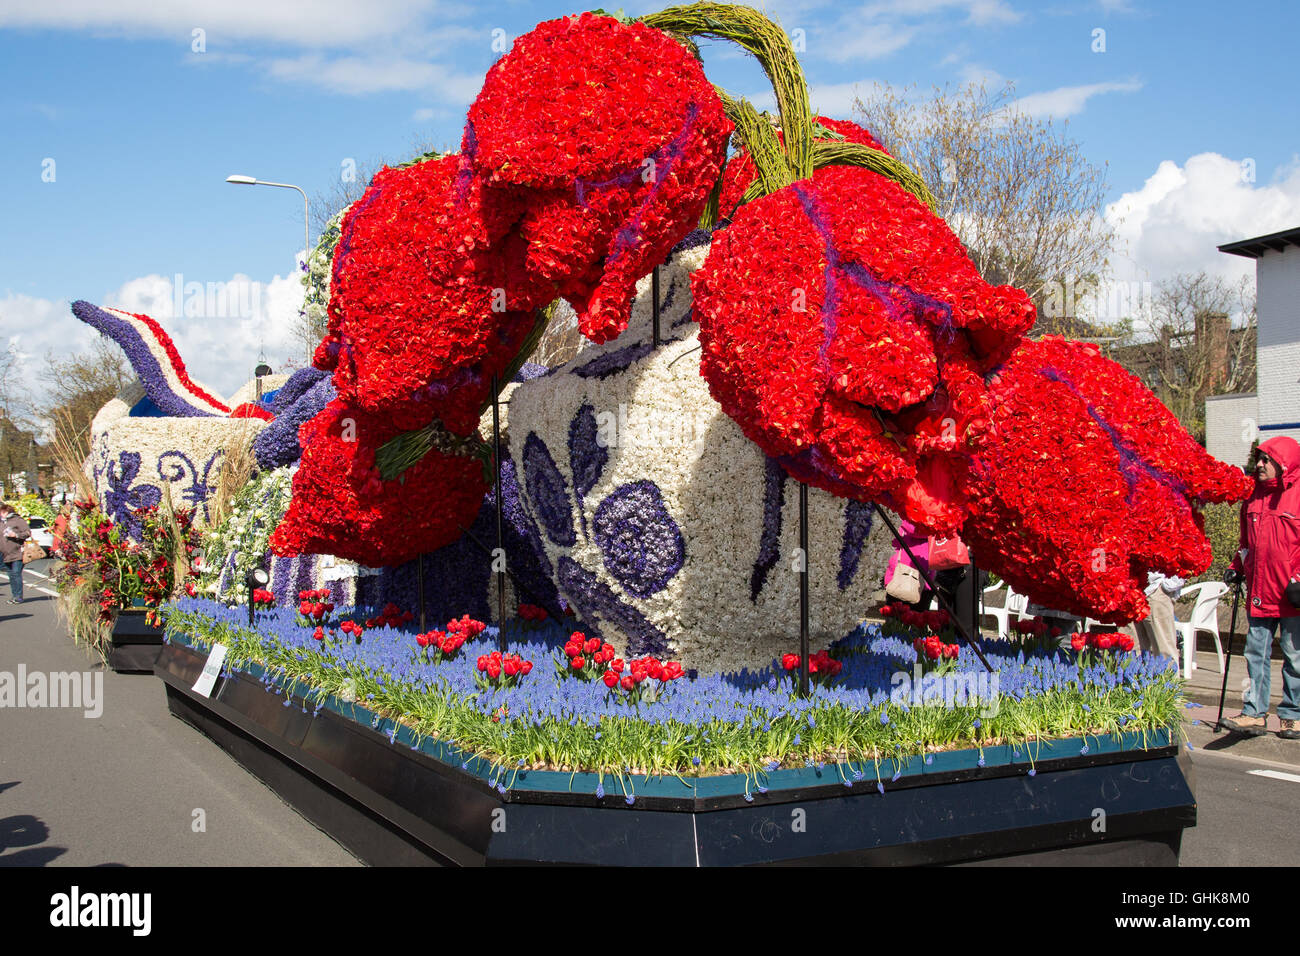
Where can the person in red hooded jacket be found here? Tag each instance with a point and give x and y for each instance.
(1268, 562)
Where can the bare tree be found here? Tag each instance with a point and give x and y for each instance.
(86, 378)
(1017, 190)
(1199, 341)
(17, 437)
(76, 387)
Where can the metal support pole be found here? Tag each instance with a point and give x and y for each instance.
(499, 554)
(654, 303)
(976, 593)
(961, 626)
(803, 590)
(1227, 658)
(419, 587)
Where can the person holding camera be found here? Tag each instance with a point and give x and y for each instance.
(1268, 564)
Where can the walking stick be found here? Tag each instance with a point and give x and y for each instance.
(1227, 661)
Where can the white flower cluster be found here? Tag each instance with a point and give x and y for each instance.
(657, 423)
(316, 278)
(240, 543)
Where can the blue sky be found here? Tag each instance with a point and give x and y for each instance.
(143, 119)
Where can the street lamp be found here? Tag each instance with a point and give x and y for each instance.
(306, 232)
(259, 373)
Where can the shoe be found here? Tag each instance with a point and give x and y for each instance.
(1255, 726)
(1290, 730)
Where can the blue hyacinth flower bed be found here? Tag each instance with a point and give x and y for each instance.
(887, 708)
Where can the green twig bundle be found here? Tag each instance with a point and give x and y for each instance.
(769, 44)
(756, 132)
(855, 154)
(407, 449)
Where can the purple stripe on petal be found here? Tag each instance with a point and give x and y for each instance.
(769, 541)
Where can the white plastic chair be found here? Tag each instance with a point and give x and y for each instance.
(1014, 604)
(1205, 617)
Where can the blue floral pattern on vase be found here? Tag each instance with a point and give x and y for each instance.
(857, 526)
(123, 498)
(640, 543)
(593, 596)
(549, 492)
(175, 467)
(587, 456)
(769, 542)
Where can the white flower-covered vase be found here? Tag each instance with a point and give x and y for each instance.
(665, 527)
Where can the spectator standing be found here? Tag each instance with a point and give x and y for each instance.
(1155, 634)
(1268, 562)
(13, 532)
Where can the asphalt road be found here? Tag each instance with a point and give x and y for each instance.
(1246, 812)
(123, 788)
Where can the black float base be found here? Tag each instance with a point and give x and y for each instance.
(135, 644)
(389, 804)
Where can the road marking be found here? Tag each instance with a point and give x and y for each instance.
(1200, 754)
(37, 573)
(1276, 775)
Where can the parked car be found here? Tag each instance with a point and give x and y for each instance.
(41, 534)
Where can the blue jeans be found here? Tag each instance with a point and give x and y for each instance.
(1259, 642)
(15, 579)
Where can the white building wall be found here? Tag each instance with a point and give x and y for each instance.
(1278, 384)
(1230, 426)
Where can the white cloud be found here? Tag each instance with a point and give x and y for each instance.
(340, 45)
(978, 12)
(976, 74)
(220, 327)
(1175, 221)
(358, 75)
(836, 99)
(299, 22)
(867, 42)
(882, 27)
(1069, 100)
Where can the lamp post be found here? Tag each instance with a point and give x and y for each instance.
(306, 231)
(260, 373)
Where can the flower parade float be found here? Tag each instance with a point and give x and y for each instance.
(787, 345)
(156, 451)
